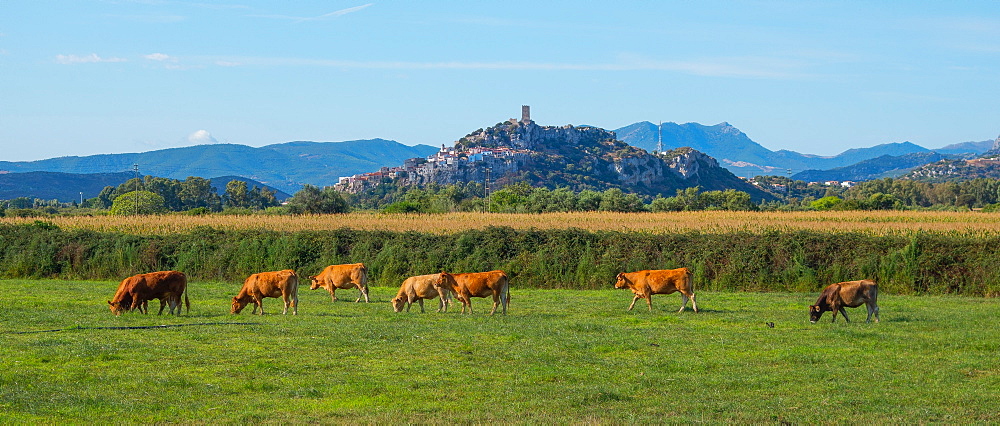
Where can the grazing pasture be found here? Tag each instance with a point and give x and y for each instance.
(559, 356)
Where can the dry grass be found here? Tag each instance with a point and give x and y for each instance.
(879, 222)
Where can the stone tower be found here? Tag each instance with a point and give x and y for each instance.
(525, 113)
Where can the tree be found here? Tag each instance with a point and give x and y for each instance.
(237, 195)
(312, 200)
(198, 192)
(827, 203)
(137, 202)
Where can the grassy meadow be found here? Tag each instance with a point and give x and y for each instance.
(560, 356)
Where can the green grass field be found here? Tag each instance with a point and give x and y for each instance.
(562, 356)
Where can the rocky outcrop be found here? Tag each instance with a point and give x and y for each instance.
(578, 157)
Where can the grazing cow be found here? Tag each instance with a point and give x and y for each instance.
(353, 275)
(419, 288)
(134, 292)
(478, 284)
(269, 284)
(644, 284)
(849, 294)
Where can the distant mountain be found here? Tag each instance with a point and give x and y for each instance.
(966, 148)
(741, 155)
(985, 166)
(876, 168)
(285, 166)
(65, 187)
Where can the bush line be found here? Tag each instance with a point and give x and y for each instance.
(774, 260)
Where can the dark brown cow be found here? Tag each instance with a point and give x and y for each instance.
(134, 292)
(849, 294)
(478, 284)
(644, 284)
(418, 288)
(353, 275)
(269, 284)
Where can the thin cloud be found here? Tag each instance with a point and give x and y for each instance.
(159, 57)
(88, 59)
(723, 67)
(324, 16)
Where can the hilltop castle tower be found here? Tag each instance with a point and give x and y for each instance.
(525, 114)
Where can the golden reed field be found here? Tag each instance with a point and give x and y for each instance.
(875, 222)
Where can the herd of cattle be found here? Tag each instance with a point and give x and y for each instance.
(169, 287)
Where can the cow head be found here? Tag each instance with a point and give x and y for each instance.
(398, 303)
(814, 313)
(315, 282)
(238, 305)
(445, 280)
(116, 307)
(621, 281)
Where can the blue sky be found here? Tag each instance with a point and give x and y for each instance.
(81, 77)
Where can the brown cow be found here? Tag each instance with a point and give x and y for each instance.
(850, 294)
(269, 284)
(419, 288)
(644, 284)
(353, 275)
(478, 284)
(134, 292)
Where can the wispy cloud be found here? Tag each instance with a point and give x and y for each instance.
(87, 59)
(324, 16)
(161, 57)
(747, 67)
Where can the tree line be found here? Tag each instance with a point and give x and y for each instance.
(195, 195)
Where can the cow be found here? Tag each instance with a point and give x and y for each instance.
(849, 294)
(354, 275)
(644, 284)
(134, 292)
(418, 288)
(478, 284)
(269, 284)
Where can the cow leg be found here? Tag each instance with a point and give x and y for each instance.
(684, 302)
(649, 302)
(421, 302)
(872, 309)
(333, 293)
(844, 313)
(361, 293)
(693, 304)
(633, 302)
(466, 300)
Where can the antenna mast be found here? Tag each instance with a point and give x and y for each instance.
(659, 138)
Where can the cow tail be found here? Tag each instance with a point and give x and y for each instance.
(187, 303)
(506, 293)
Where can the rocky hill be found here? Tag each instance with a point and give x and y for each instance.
(957, 170)
(559, 156)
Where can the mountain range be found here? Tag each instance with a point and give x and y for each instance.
(288, 166)
(737, 152)
(285, 166)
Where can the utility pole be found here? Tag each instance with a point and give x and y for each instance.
(486, 189)
(135, 168)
